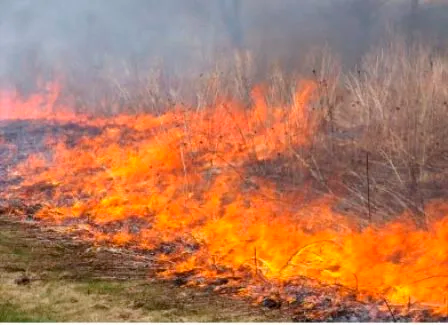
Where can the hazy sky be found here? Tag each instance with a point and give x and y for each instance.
(43, 34)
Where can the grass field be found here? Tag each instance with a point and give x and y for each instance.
(42, 281)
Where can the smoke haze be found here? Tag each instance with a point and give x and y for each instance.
(112, 37)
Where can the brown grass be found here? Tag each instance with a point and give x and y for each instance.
(392, 109)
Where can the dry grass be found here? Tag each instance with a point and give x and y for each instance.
(68, 284)
(392, 109)
(380, 146)
(398, 102)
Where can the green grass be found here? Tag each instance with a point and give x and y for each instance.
(154, 297)
(101, 287)
(10, 313)
(67, 289)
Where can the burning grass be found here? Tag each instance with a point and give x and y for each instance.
(271, 201)
(49, 276)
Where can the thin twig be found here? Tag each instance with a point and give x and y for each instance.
(298, 252)
(186, 186)
(255, 262)
(429, 278)
(368, 187)
(357, 284)
(390, 310)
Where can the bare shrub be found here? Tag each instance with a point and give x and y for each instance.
(399, 101)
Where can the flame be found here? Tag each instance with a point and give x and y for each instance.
(196, 179)
(37, 106)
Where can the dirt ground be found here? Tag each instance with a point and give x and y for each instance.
(46, 276)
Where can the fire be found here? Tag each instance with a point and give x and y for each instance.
(37, 106)
(197, 180)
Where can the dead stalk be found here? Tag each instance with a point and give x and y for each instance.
(184, 166)
(255, 262)
(390, 310)
(368, 187)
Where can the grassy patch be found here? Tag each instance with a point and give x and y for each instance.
(12, 313)
(21, 253)
(102, 287)
(66, 286)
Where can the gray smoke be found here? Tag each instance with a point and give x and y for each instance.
(88, 37)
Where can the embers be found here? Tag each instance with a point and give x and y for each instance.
(17, 207)
(271, 303)
(132, 226)
(45, 189)
(182, 278)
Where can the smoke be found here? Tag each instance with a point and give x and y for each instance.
(52, 34)
(40, 38)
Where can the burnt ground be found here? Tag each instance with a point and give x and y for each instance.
(48, 275)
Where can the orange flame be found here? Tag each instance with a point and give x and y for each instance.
(189, 177)
(36, 106)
